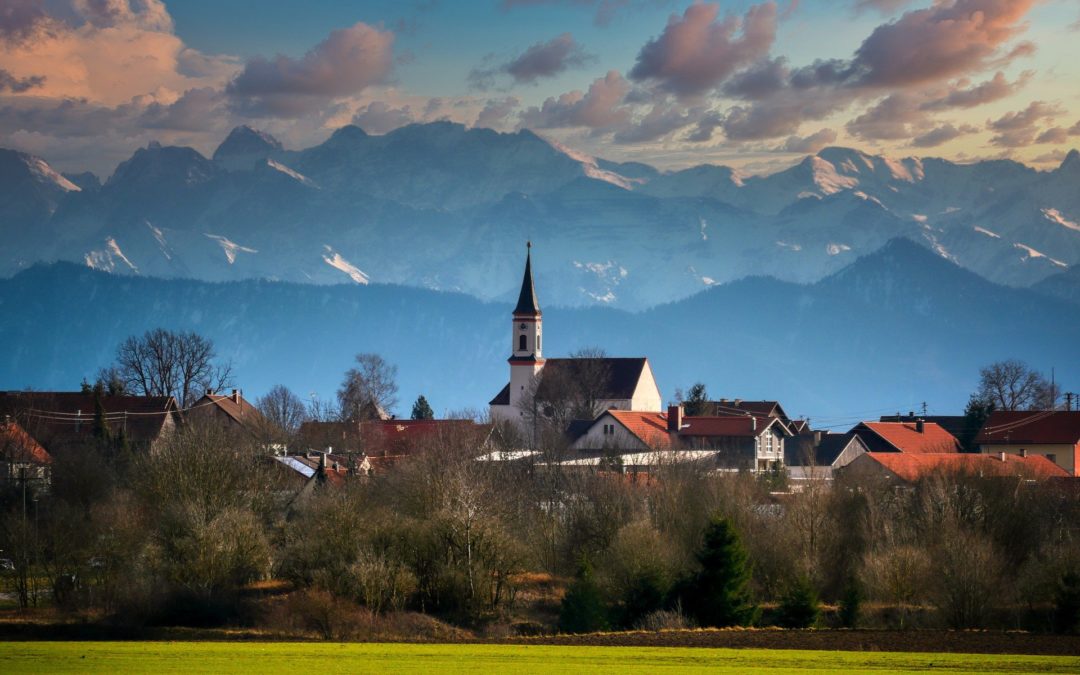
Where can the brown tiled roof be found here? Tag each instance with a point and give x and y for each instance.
(905, 437)
(649, 427)
(58, 418)
(911, 467)
(240, 411)
(739, 406)
(17, 446)
(727, 425)
(1031, 427)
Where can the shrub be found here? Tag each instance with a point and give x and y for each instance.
(1067, 604)
(664, 619)
(583, 609)
(799, 608)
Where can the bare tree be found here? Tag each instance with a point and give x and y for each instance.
(282, 408)
(1012, 385)
(369, 389)
(169, 363)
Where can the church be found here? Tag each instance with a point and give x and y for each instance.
(626, 383)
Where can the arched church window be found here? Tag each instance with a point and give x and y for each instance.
(522, 343)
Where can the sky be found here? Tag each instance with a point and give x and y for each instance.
(752, 84)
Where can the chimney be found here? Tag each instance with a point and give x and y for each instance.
(1023, 452)
(209, 392)
(920, 425)
(674, 418)
(1001, 456)
(723, 401)
(322, 462)
(236, 396)
(911, 413)
(737, 402)
(753, 424)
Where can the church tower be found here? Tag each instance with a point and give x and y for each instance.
(526, 356)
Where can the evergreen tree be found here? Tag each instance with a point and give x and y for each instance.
(421, 410)
(696, 400)
(799, 608)
(583, 609)
(975, 415)
(850, 604)
(719, 594)
(645, 595)
(101, 426)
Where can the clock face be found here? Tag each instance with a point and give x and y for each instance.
(522, 326)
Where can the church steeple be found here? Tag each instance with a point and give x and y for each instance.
(527, 303)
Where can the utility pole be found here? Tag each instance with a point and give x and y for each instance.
(924, 409)
(1068, 400)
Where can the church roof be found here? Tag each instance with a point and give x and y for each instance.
(606, 378)
(527, 303)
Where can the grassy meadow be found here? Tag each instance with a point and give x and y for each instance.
(263, 657)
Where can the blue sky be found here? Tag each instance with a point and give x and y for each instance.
(755, 84)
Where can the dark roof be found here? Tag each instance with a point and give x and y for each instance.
(527, 303)
(831, 446)
(619, 376)
(1046, 426)
(740, 407)
(609, 378)
(383, 437)
(577, 428)
(61, 418)
(957, 425)
(728, 425)
(503, 397)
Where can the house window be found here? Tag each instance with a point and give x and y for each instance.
(521, 343)
(609, 429)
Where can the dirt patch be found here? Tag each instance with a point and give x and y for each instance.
(969, 642)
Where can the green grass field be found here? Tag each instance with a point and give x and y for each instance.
(321, 658)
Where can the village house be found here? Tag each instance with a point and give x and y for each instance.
(382, 443)
(906, 468)
(23, 462)
(1054, 435)
(919, 437)
(819, 461)
(232, 413)
(63, 421)
(614, 383)
(728, 442)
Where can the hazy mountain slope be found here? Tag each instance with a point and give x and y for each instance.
(890, 330)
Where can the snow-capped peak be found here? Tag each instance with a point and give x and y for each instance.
(42, 171)
(337, 261)
(593, 170)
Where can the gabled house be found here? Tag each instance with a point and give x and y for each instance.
(735, 443)
(22, 459)
(919, 437)
(1054, 435)
(233, 413)
(738, 406)
(820, 461)
(62, 421)
(899, 467)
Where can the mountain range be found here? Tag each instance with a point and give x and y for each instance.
(447, 208)
(889, 330)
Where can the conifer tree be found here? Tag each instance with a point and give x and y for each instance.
(799, 608)
(421, 410)
(719, 594)
(583, 609)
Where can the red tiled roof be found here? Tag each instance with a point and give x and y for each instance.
(649, 427)
(17, 446)
(726, 425)
(1031, 427)
(905, 437)
(911, 467)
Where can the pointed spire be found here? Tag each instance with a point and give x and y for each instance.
(527, 303)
